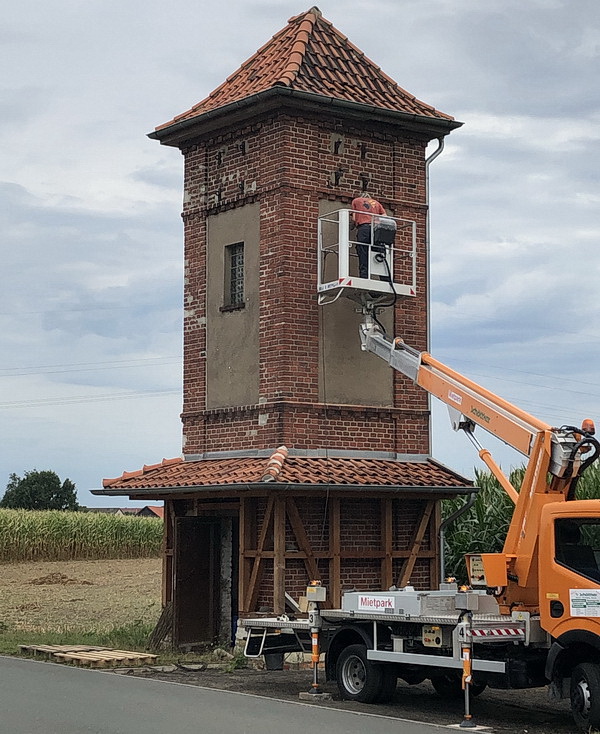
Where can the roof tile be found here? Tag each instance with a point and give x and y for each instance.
(300, 56)
(284, 469)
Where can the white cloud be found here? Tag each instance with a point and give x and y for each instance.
(548, 134)
(91, 233)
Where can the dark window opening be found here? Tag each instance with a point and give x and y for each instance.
(577, 545)
(234, 276)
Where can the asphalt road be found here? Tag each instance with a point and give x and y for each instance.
(46, 698)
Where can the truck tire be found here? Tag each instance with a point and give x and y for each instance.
(449, 685)
(585, 696)
(358, 679)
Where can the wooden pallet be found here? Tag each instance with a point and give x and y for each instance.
(51, 650)
(92, 656)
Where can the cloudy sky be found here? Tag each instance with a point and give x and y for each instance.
(90, 304)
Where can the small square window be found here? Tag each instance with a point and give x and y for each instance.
(234, 276)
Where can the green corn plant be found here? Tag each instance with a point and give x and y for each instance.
(52, 535)
(483, 528)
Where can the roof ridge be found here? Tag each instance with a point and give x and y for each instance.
(275, 464)
(314, 10)
(291, 75)
(296, 57)
(378, 68)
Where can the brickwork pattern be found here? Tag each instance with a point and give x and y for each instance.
(360, 533)
(288, 164)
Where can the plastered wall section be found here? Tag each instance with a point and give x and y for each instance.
(232, 335)
(348, 375)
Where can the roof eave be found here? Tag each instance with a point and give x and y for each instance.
(179, 133)
(160, 492)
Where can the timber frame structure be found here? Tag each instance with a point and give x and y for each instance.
(237, 549)
(255, 552)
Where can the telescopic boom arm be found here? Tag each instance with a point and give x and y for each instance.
(552, 452)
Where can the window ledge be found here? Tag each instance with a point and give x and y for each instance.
(231, 307)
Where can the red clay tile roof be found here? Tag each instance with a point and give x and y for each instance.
(210, 473)
(158, 510)
(311, 55)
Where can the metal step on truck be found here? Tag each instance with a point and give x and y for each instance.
(530, 615)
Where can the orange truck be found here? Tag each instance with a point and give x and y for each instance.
(530, 616)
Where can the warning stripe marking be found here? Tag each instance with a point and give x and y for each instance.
(503, 632)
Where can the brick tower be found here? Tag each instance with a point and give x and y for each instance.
(302, 126)
(303, 457)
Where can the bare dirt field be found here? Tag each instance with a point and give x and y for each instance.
(86, 595)
(83, 595)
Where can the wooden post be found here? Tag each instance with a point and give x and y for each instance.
(386, 543)
(335, 582)
(244, 563)
(434, 563)
(279, 556)
(167, 559)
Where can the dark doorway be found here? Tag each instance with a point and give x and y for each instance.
(196, 588)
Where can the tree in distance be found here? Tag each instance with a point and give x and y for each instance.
(39, 490)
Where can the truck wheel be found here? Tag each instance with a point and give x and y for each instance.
(358, 679)
(449, 685)
(585, 696)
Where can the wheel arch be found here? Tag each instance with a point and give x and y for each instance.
(570, 649)
(345, 636)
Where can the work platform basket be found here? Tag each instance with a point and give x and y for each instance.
(391, 257)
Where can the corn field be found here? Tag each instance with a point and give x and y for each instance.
(484, 527)
(52, 535)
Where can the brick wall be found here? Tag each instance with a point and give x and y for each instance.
(288, 164)
(360, 535)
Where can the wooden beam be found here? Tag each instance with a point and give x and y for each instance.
(376, 554)
(244, 562)
(434, 563)
(259, 492)
(312, 570)
(279, 557)
(335, 582)
(167, 555)
(417, 540)
(255, 575)
(386, 543)
(219, 506)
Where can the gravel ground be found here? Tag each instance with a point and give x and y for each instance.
(509, 712)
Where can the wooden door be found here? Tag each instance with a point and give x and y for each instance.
(196, 587)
